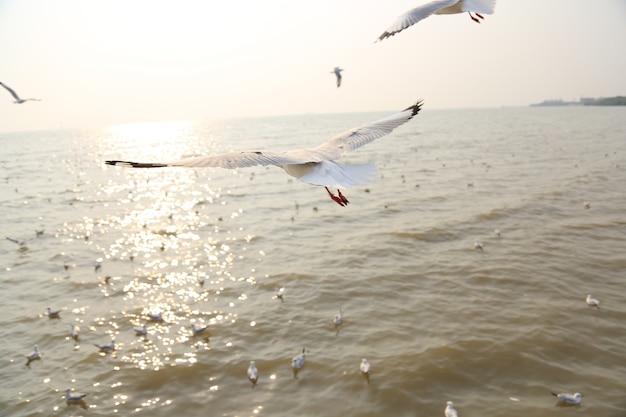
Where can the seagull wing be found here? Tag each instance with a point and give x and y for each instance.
(352, 139)
(231, 160)
(332, 149)
(477, 6)
(415, 15)
(10, 90)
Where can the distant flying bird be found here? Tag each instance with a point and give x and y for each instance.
(19, 243)
(315, 166)
(17, 98)
(571, 399)
(592, 302)
(73, 398)
(337, 72)
(253, 373)
(33, 356)
(450, 411)
(413, 16)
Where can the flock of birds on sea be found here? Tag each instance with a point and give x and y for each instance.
(316, 166)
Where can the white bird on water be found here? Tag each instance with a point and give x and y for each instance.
(106, 348)
(17, 98)
(33, 356)
(450, 411)
(478, 245)
(411, 17)
(337, 72)
(73, 397)
(54, 314)
(73, 331)
(253, 373)
(279, 293)
(298, 362)
(592, 302)
(140, 330)
(570, 399)
(338, 319)
(365, 369)
(315, 166)
(198, 330)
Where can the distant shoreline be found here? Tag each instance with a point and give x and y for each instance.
(602, 101)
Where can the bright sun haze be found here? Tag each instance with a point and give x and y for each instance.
(99, 63)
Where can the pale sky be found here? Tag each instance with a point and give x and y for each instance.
(97, 63)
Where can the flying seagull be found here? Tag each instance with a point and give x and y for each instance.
(337, 72)
(411, 17)
(315, 166)
(17, 98)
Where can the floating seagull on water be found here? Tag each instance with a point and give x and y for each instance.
(592, 302)
(54, 314)
(39, 232)
(365, 369)
(279, 293)
(586, 204)
(73, 398)
(74, 331)
(198, 330)
(155, 316)
(17, 98)
(97, 266)
(337, 72)
(570, 399)
(450, 410)
(298, 362)
(253, 373)
(413, 16)
(338, 319)
(478, 245)
(141, 331)
(315, 166)
(497, 232)
(106, 348)
(33, 356)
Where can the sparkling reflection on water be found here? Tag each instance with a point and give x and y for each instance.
(210, 248)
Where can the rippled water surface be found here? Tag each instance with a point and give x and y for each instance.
(495, 330)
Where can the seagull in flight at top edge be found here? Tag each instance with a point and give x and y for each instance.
(315, 166)
(17, 98)
(337, 72)
(411, 17)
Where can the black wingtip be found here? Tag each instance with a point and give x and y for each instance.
(415, 108)
(129, 164)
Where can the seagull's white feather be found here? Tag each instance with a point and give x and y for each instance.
(313, 165)
(413, 16)
(476, 6)
(450, 411)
